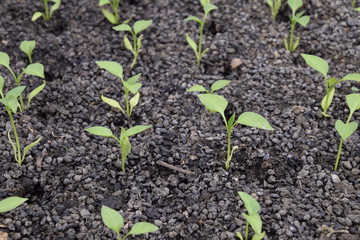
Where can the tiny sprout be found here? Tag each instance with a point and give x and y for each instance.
(275, 6)
(199, 53)
(47, 15)
(135, 46)
(345, 130)
(123, 140)
(28, 47)
(322, 67)
(11, 203)
(113, 220)
(295, 18)
(114, 16)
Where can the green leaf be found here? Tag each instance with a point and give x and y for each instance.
(4, 60)
(30, 146)
(36, 16)
(128, 44)
(27, 47)
(352, 77)
(112, 103)
(251, 205)
(125, 148)
(295, 5)
(134, 101)
(209, 7)
(132, 88)
(332, 81)
(258, 236)
(143, 227)
(204, 2)
(326, 101)
(100, 131)
(2, 82)
(11, 203)
(35, 69)
(139, 42)
(103, 2)
(112, 219)
(123, 28)
(54, 7)
(214, 102)
(193, 18)
(134, 79)
(197, 88)
(35, 92)
(112, 67)
(357, 9)
(353, 101)
(141, 25)
(316, 63)
(255, 222)
(191, 43)
(345, 130)
(303, 21)
(10, 102)
(254, 120)
(135, 130)
(239, 235)
(270, 3)
(15, 92)
(231, 121)
(219, 84)
(109, 16)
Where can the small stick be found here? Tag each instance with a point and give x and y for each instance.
(164, 164)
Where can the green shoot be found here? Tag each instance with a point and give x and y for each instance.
(47, 15)
(219, 84)
(10, 101)
(123, 140)
(322, 67)
(199, 53)
(112, 17)
(129, 86)
(275, 6)
(33, 69)
(28, 47)
(135, 46)
(345, 130)
(291, 45)
(252, 217)
(11, 203)
(216, 103)
(113, 220)
(353, 4)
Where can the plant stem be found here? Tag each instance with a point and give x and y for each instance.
(127, 102)
(291, 41)
(228, 155)
(115, 7)
(199, 55)
(340, 145)
(247, 231)
(136, 50)
(47, 14)
(17, 151)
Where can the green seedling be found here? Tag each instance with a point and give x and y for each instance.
(10, 101)
(199, 53)
(252, 217)
(275, 6)
(47, 15)
(28, 47)
(216, 103)
(33, 69)
(135, 46)
(353, 4)
(11, 203)
(129, 86)
(123, 140)
(322, 67)
(295, 18)
(113, 220)
(345, 130)
(112, 17)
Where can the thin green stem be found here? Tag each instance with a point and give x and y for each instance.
(47, 13)
(291, 41)
(17, 151)
(127, 102)
(247, 231)
(338, 155)
(199, 55)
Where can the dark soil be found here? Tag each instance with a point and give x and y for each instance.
(71, 174)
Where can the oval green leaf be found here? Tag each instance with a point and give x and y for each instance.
(254, 120)
(135, 130)
(112, 67)
(191, 43)
(209, 7)
(2, 82)
(214, 102)
(251, 205)
(141, 25)
(143, 227)
(123, 27)
(4, 59)
(353, 101)
(255, 221)
(134, 79)
(35, 92)
(197, 88)
(35, 69)
(219, 84)
(112, 219)
(100, 131)
(112, 103)
(352, 77)
(36, 16)
(317, 63)
(193, 18)
(11, 203)
(345, 130)
(27, 47)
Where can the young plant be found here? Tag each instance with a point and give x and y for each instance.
(135, 46)
(345, 130)
(28, 47)
(216, 103)
(275, 6)
(129, 86)
(34, 69)
(114, 16)
(47, 15)
(113, 220)
(219, 84)
(11, 203)
(322, 67)
(123, 140)
(252, 217)
(291, 45)
(10, 101)
(199, 53)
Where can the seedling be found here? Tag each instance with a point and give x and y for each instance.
(275, 6)
(11, 203)
(34, 69)
(123, 140)
(216, 103)
(10, 101)
(113, 220)
(129, 86)
(28, 47)
(135, 46)
(219, 84)
(47, 15)
(291, 45)
(345, 130)
(199, 53)
(322, 67)
(112, 17)
(252, 217)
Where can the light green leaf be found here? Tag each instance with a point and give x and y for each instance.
(35, 69)
(112, 103)
(239, 235)
(352, 77)
(36, 16)
(197, 88)
(353, 101)
(332, 81)
(128, 44)
(191, 43)
(109, 16)
(219, 84)
(112, 219)
(345, 130)
(139, 42)
(100, 131)
(55, 6)
(303, 21)
(316, 63)
(2, 82)
(35, 92)
(258, 236)
(231, 121)
(134, 101)
(112, 67)
(134, 79)
(327, 100)
(132, 88)
(141, 25)
(103, 2)
(125, 148)
(11, 203)
(295, 5)
(123, 28)
(214, 102)
(204, 2)
(193, 18)
(255, 222)
(15, 92)
(27, 47)
(297, 40)
(251, 205)
(254, 120)
(357, 9)
(4, 60)
(143, 227)
(270, 3)
(135, 130)
(30, 146)
(209, 7)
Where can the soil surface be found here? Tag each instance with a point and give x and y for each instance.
(71, 174)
